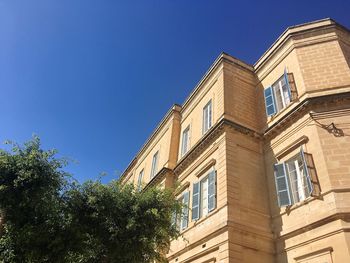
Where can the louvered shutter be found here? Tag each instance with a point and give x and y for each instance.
(307, 172)
(269, 101)
(211, 190)
(196, 201)
(282, 187)
(292, 87)
(184, 218)
(287, 83)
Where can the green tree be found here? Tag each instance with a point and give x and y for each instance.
(48, 217)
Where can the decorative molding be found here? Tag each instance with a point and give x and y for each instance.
(158, 177)
(323, 251)
(311, 199)
(175, 109)
(127, 170)
(212, 235)
(199, 162)
(342, 216)
(201, 254)
(206, 167)
(213, 133)
(292, 33)
(292, 146)
(223, 57)
(302, 108)
(182, 188)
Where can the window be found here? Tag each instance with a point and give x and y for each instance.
(204, 196)
(154, 165)
(207, 117)
(293, 180)
(181, 221)
(184, 217)
(139, 181)
(185, 141)
(278, 96)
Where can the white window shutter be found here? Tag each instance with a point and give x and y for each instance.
(282, 186)
(184, 218)
(269, 101)
(212, 191)
(307, 173)
(196, 201)
(287, 83)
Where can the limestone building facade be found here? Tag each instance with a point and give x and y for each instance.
(262, 153)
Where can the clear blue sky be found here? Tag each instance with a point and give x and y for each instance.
(93, 78)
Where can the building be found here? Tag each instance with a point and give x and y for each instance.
(262, 153)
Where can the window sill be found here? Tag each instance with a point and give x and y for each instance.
(290, 208)
(199, 221)
(281, 113)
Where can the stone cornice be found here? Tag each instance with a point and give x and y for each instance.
(291, 32)
(303, 107)
(208, 139)
(158, 177)
(127, 170)
(342, 216)
(173, 110)
(223, 57)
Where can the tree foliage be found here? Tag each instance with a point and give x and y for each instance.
(48, 217)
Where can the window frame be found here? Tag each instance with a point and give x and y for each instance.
(184, 219)
(211, 174)
(277, 86)
(207, 117)
(139, 180)
(274, 103)
(304, 185)
(187, 143)
(154, 167)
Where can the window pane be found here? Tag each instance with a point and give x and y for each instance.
(278, 97)
(185, 136)
(298, 178)
(285, 89)
(207, 111)
(184, 219)
(195, 201)
(139, 182)
(204, 196)
(154, 165)
(293, 179)
(282, 93)
(211, 190)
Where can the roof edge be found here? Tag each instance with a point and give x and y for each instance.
(222, 56)
(326, 22)
(174, 108)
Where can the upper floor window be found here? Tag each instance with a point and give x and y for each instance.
(207, 112)
(139, 181)
(185, 141)
(154, 164)
(204, 196)
(293, 179)
(183, 219)
(279, 94)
